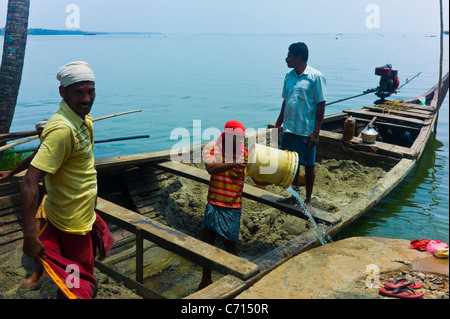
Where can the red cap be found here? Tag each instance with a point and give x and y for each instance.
(235, 127)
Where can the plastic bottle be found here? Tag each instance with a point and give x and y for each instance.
(349, 128)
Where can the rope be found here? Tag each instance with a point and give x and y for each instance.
(388, 106)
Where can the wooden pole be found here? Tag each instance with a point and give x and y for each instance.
(36, 136)
(14, 136)
(5, 147)
(121, 139)
(139, 256)
(113, 115)
(440, 66)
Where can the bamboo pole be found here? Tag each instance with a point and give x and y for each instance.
(29, 139)
(113, 115)
(5, 147)
(14, 136)
(116, 139)
(440, 66)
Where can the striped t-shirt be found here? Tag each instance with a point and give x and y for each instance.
(225, 189)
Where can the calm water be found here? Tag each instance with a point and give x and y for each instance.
(176, 79)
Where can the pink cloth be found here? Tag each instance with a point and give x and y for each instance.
(69, 259)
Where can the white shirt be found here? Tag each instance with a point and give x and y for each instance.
(301, 94)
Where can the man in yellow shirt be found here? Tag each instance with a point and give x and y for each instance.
(65, 158)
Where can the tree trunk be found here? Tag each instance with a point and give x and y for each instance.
(14, 44)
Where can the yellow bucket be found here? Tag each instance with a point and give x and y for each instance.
(272, 165)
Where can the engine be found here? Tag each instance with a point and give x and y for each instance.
(389, 82)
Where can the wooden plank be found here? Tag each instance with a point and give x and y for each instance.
(6, 211)
(388, 117)
(250, 192)
(421, 141)
(10, 218)
(10, 228)
(9, 190)
(420, 107)
(224, 288)
(404, 126)
(145, 202)
(419, 114)
(139, 256)
(9, 201)
(11, 237)
(130, 160)
(9, 246)
(177, 242)
(141, 290)
(385, 149)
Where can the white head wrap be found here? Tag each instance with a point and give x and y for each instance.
(74, 72)
(40, 124)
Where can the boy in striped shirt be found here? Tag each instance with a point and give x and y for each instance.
(225, 162)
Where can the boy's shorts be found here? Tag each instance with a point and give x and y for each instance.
(296, 143)
(224, 221)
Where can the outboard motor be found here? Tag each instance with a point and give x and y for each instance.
(389, 82)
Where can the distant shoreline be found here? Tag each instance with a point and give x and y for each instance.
(39, 31)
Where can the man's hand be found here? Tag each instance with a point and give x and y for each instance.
(313, 140)
(29, 203)
(4, 175)
(33, 248)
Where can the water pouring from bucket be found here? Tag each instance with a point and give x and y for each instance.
(308, 213)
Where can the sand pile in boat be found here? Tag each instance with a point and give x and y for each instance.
(263, 228)
(181, 206)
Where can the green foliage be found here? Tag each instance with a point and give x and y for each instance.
(12, 157)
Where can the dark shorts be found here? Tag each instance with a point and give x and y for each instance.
(296, 143)
(224, 221)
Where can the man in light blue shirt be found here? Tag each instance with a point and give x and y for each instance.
(302, 114)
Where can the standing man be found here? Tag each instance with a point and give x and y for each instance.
(302, 114)
(65, 158)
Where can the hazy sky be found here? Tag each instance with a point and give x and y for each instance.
(239, 16)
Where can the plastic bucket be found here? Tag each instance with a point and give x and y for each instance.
(272, 165)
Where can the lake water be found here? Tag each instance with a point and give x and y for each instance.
(178, 79)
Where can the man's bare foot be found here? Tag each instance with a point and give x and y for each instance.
(310, 208)
(288, 200)
(34, 282)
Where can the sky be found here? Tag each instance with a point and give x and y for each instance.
(237, 16)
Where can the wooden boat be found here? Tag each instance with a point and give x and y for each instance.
(129, 187)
